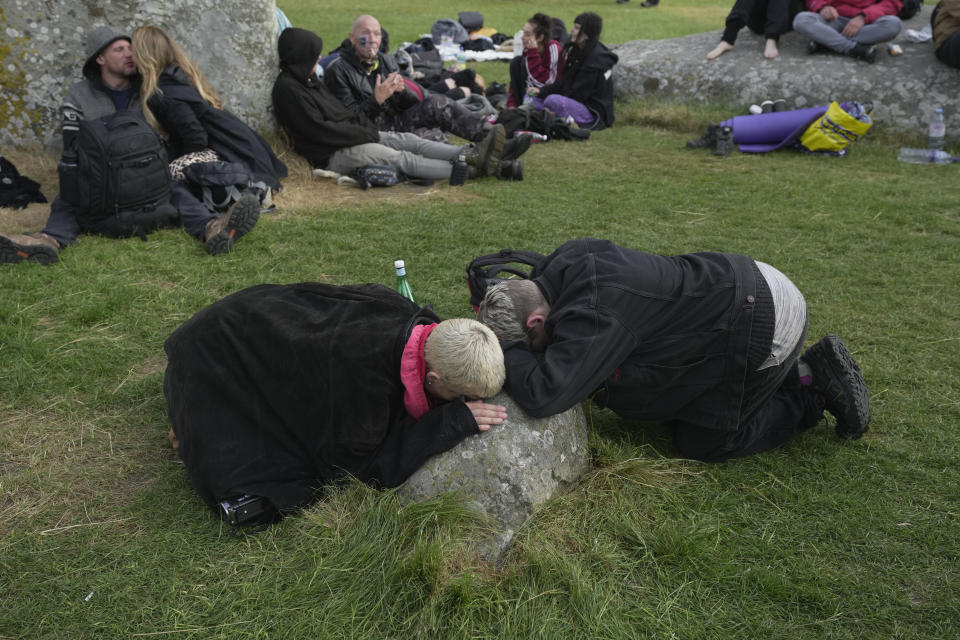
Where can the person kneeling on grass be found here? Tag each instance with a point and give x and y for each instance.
(278, 390)
(710, 342)
(332, 137)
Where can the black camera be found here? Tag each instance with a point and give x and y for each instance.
(246, 510)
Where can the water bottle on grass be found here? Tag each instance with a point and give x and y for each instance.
(403, 286)
(938, 130)
(926, 156)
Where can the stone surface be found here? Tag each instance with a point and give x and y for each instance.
(904, 89)
(508, 471)
(42, 48)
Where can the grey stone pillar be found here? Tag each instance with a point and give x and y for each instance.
(42, 48)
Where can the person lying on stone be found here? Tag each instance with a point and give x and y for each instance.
(333, 137)
(945, 21)
(111, 84)
(770, 18)
(177, 99)
(368, 81)
(849, 27)
(584, 90)
(709, 342)
(278, 390)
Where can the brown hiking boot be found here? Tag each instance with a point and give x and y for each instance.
(38, 247)
(230, 226)
(484, 160)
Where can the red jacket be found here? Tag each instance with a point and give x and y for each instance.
(871, 9)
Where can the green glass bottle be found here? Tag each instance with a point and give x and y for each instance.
(403, 285)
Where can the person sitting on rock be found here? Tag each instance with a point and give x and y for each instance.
(277, 390)
(945, 21)
(584, 91)
(849, 27)
(369, 82)
(112, 83)
(770, 18)
(333, 137)
(710, 342)
(540, 62)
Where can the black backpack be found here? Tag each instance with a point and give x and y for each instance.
(220, 184)
(16, 191)
(484, 271)
(545, 122)
(115, 173)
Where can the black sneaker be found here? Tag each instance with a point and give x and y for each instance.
(707, 141)
(230, 226)
(814, 47)
(724, 141)
(837, 378)
(865, 52)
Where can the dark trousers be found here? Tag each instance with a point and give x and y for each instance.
(64, 221)
(777, 406)
(771, 18)
(438, 112)
(949, 50)
(518, 79)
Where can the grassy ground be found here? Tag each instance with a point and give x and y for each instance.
(101, 535)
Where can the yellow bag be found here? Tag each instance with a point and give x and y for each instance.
(834, 130)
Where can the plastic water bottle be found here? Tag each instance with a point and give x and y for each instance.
(461, 58)
(536, 137)
(460, 170)
(403, 286)
(926, 156)
(938, 130)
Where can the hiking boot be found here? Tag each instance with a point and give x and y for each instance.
(649, 3)
(510, 170)
(516, 146)
(230, 226)
(39, 247)
(485, 157)
(707, 140)
(837, 378)
(814, 47)
(724, 141)
(865, 52)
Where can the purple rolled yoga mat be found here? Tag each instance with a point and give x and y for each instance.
(770, 131)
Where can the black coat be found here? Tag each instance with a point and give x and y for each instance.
(660, 337)
(588, 80)
(348, 81)
(192, 124)
(277, 390)
(313, 118)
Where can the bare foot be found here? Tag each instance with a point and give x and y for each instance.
(770, 51)
(719, 50)
(173, 439)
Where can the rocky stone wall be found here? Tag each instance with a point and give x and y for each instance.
(904, 89)
(42, 48)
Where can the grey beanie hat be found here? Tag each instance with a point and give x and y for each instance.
(98, 40)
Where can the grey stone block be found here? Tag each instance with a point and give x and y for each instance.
(508, 471)
(904, 89)
(42, 48)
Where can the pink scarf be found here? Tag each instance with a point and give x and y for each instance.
(413, 370)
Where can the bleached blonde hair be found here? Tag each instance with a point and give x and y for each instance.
(467, 357)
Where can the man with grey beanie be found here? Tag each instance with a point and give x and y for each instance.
(111, 83)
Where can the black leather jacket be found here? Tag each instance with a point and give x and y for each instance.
(348, 79)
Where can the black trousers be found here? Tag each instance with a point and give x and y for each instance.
(771, 18)
(777, 409)
(949, 50)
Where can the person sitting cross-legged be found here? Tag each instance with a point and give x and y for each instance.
(849, 27)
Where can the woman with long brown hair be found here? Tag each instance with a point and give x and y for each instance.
(178, 100)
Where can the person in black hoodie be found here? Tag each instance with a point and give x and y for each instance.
(584, 91)
(710, 342)
(333, 137)
(278, 390)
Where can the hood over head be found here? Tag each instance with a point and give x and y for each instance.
(97, 40)
(299, 50)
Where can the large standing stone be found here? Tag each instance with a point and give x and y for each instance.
(904, 89)
(43, 44)
(508, 471)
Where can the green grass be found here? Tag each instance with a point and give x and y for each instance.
(820, 539)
